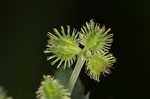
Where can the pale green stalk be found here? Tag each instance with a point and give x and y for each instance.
(76, 72)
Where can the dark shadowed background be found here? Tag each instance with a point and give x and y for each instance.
(23, 28)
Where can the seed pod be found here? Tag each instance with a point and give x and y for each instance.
(95, 38)
(64, 47)
(52, 89)
(98, 63)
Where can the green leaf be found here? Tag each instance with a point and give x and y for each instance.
(63, 77)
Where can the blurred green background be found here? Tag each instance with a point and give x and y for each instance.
(23, 35)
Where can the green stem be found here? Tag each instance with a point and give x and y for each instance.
(76, 72)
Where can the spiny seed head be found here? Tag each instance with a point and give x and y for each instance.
(52, 89)
(63, 46)
(98, 63)
(94, 37)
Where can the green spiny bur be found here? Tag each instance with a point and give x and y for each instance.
(97, 63)
(95, 38)
(64, 47)
(52, 89)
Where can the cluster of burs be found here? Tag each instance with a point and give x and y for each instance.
(89, 46)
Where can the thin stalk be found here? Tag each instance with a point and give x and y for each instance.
(76, 72)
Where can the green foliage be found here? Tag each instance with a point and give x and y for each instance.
(63, 77)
